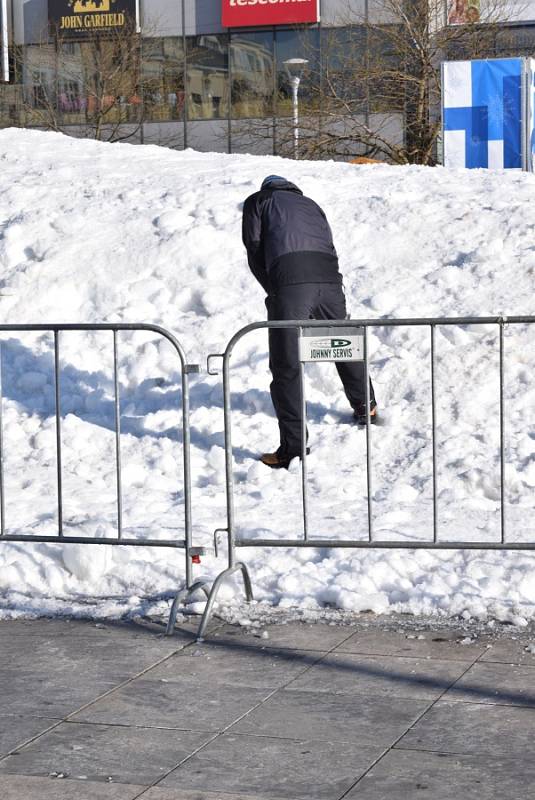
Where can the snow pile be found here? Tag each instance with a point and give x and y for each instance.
(93, 232)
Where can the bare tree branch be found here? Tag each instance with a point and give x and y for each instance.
(381, 73)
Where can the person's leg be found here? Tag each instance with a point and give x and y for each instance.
(332, 305)
(290, 302)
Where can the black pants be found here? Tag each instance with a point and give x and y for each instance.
(305, 301)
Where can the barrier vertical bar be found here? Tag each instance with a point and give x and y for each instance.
(58, 432)
(118, 470)
(304, 473)
(228, 459)
(434, 435)
(368, 435)
(502, 436)
(2, 506)
(187, 473)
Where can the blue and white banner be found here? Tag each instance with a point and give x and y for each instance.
(483, 113)
(530, 132)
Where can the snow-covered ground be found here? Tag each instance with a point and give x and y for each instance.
(93, 232)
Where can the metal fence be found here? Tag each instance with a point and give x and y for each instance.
(434, 542)
(59, 536)
(302, 328)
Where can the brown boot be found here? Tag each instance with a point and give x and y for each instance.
(279, 460)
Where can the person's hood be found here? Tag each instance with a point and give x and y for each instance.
(277, 182)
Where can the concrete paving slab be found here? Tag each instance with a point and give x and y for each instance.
(376, 721)
(495, 683)
(55, 695)
(232, 664)
(184, 794)
(511, 651)
(184, 705)
(294, 635)
(15, 730)
(23, 787)
(121, 632)
(99, 656)
(33, 679)
(406, 775)
(65, 626)
(103, 752)
(313, 739)
(442, 645)
(344, 673)
(268, 768)
(474, 729)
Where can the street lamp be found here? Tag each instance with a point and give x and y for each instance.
(295, 68)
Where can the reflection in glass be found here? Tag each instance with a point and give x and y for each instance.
(296, 44)
(90, 83)
(98, 81)
(163, 78)
(251, 69)
(343, 58)
(207, 77)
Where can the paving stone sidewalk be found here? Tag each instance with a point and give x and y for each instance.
(117, 711)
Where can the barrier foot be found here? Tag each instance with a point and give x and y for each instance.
(180, 597)
(215, 588)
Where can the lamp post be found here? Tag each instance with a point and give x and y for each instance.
(4, 43)
(294, 68)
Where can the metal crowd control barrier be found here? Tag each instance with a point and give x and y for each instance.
(358, 327)
(60, 537)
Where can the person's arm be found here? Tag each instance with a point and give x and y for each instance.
(324, 215)
(252, 239)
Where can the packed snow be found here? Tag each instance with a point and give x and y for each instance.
(93, 232)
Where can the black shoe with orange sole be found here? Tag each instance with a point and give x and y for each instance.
(360, 416)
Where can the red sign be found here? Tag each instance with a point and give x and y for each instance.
(249, 13)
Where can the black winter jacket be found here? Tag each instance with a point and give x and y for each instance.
(288, 239)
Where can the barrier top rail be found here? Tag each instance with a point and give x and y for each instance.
(95, 326)
(373, 323)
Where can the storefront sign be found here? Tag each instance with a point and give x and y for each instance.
(70, 18)
(245, 13)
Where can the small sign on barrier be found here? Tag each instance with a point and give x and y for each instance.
(331, 344)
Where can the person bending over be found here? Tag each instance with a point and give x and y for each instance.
(290, 252)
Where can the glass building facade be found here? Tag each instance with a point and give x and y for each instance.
(184, 81)
(187, 82)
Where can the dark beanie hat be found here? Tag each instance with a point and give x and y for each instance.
(272, 179)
